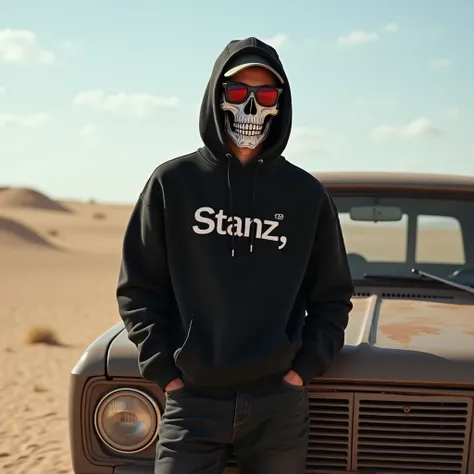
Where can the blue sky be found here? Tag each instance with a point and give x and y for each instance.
(94, 95)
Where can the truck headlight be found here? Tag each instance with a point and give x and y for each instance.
(127, 420)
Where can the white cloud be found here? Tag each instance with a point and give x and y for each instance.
(312, 43)
(307, 139)
(89, 136)
(392, 27)
(134, 104)
(439, 63)
(89, 130)
(418, 129)
(309, 143)
(72, 47)
(29, 122)
(3, 91)
(375, 101)
(21, 46)
(277, 41)
(357, 37)
(15, 147)
(453, 113)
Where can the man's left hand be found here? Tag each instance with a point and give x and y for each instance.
(293, 378)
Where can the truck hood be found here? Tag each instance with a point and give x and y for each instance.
(387, 340)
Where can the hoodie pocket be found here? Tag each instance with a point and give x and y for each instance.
(223, 349)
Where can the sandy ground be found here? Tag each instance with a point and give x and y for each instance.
(70, 290)
(58, 268)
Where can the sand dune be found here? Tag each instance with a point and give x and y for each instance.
(29, 198)
(18, 234)
(72, 292)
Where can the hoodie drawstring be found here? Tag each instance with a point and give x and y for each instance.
(252, 205)
(231, 202)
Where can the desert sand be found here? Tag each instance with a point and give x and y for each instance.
(58, 269)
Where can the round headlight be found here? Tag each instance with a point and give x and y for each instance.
(127, 420)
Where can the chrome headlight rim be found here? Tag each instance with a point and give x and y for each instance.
(117, 393)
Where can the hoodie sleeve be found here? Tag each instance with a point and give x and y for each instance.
(329, 288)
(144, 291)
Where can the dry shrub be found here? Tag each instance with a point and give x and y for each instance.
(38, 388)
(99, 216)
(43, 335)
(53, 232)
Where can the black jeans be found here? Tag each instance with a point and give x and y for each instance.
(266, 429)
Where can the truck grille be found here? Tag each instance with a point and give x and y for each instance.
(397, 434)
(411, 434)
(330, 431)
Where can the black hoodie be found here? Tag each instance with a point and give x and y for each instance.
(223, 306)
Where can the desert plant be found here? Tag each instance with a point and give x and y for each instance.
(53, 232)
(42, 335)
(100, 216)
(38, 388)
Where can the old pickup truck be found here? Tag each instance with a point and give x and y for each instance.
(398, 399)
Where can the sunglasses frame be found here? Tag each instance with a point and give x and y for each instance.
(251, 89)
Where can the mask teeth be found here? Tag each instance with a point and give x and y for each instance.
(248, 129)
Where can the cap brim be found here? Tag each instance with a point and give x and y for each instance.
(241, 67)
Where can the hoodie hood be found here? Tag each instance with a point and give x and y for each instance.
(211, 120)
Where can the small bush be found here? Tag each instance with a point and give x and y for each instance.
(53, 232)
(43, 335)
(99, 216)
(38, 388)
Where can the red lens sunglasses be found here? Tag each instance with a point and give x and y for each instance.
(237, 93)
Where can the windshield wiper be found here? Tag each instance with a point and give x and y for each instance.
(459, 286)
(423, 275)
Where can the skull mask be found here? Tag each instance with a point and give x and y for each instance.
(248, 123)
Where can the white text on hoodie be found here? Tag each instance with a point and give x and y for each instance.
(222, 224)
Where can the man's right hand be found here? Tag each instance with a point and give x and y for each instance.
(175, 384)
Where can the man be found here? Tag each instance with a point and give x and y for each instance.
(226, 251)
